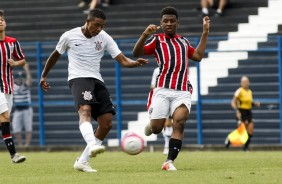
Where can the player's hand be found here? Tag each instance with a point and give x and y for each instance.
(12, 62)
(206, 24)
(238, 115)
(151, 29)
(257, 104)
(141, 62)
(44, 85)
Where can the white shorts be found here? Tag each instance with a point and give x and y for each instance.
(6, 102)
(22, 119)
(165, 101)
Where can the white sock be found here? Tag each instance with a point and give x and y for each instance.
(168, 131)
(85, 155)
(219, 11)
(205, 11)
(166, 140)
(86, 130)
(98, 141)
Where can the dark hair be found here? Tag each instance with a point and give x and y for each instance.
(96, 13)
(1, 13)
(169, 11)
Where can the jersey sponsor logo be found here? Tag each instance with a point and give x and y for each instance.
(87, 95)
(98, 45)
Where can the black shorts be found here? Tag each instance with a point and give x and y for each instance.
(246, 115)
(90, 91)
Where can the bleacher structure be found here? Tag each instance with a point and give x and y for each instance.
(247, 26)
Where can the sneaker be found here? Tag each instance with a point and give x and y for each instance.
(148, 130)
(94, 150)
(168, 166)
(83, 166)
(18, 158)
(165, 152)
(227, 143)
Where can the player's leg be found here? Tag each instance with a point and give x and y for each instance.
(158, 112)
(180, 109)
(250, 130)
(83, 92)
(167, 134)
(180, 116)
(6, 103)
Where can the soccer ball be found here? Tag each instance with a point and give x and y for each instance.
(132, 143)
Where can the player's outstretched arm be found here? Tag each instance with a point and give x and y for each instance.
(200, 50)
(138, 49)
(51, 61)
(129, 63)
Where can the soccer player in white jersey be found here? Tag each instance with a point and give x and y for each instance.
(172, 95)
(85, 47)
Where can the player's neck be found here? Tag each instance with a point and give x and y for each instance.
(2, 36)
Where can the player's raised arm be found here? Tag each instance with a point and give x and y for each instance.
(138, 49)
(200, 50)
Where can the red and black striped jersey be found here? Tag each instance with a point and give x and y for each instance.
(172, 55)
(9, 49)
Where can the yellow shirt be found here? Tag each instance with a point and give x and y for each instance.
(245, 98)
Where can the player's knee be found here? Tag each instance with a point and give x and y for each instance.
(156, 129)
(5, 117)
(179, 124)
(106, 125)
(84, 112)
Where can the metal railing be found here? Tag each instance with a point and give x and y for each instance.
(119, 101)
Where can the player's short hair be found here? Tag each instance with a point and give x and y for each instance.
(1, 13)
(96, 13)
(169, 11)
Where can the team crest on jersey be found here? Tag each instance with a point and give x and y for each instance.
(98, 45)
(87, 95)
(150, 110)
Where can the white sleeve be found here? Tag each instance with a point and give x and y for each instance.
(154, 77)
(62, 45)
(111, 46)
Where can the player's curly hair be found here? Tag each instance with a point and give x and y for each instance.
(169, 11)
(96, 13)
(1, 13)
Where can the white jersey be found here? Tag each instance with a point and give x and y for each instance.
(154, 77)
(84, 54)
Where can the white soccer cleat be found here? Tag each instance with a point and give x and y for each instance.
(168, 166)
(17, 158)
(83, 166)
(148, 130)
(94, 150)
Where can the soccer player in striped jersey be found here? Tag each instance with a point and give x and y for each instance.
(11, 55)
(172, 95)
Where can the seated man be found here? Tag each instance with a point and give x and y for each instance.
(219, 5)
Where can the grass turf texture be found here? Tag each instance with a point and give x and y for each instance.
(118, 167)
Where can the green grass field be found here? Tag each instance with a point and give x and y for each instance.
(118, 168)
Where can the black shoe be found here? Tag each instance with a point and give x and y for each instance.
(203, 14)
(218, 14)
